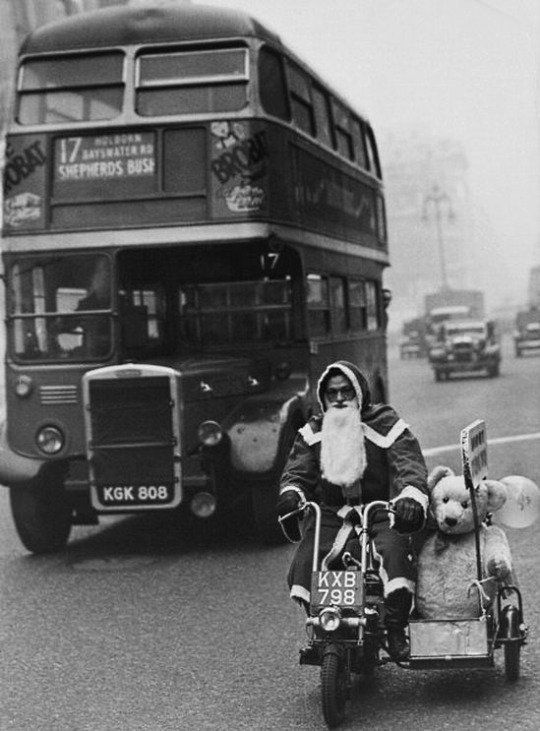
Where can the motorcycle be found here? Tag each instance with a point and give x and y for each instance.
(346, 630)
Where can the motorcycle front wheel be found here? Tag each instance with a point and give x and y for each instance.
(334, 688)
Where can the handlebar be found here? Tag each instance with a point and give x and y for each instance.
(300, 509)
(364, 511)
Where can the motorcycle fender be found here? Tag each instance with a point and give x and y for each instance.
(334, 649)
(15, 469)
(509, 623)
(258, 431)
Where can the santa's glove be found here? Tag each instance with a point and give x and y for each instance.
(408, 515)
(288, 502)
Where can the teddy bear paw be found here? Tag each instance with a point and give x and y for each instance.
(498, 568)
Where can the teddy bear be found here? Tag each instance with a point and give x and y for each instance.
(447, 563)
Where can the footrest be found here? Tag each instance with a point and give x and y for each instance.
(440, 642)
(450, 661)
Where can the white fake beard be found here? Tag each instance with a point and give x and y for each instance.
(343, 452)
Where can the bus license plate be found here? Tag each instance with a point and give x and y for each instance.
(115, 496)
(336, 588)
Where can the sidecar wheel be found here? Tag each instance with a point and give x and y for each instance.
(512, 651)
(334, 689)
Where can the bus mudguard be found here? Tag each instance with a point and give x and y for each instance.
(15, 469)
(258, 430)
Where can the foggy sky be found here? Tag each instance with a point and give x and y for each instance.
(461, 69)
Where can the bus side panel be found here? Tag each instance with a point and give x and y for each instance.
(329, 197)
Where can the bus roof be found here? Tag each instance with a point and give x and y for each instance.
(121, 26)
(148, 24)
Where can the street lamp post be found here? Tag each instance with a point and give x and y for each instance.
(436, 198)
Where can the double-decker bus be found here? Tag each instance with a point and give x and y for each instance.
(193, 228)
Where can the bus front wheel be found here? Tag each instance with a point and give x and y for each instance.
(42, 517)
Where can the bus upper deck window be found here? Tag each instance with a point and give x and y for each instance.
(70, 88)
(344, 139)
(272, 85)
(192, 82)
(301, 103)
(381, 220)
(358, 140)
(373, 156)
(322, 116)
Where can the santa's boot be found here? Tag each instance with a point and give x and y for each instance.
(397, 607)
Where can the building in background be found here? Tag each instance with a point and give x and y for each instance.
(412, 164)
(429, 219)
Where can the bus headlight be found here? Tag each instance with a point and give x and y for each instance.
(50, 439)
(23, 386)
(203, 505)
(330, 619)
(210, 433)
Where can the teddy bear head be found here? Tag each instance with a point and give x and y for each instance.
(450, 501)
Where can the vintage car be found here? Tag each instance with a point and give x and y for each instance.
(466, 346)
(527, 339)
(411, 346)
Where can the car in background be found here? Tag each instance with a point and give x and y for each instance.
(527, 340)
(527, 332)
(411, 346)
(413, 342)
(465, 346)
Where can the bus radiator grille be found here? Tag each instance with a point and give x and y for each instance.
(132, 431)
(131, 411)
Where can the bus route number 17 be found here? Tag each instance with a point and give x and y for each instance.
(69, 149)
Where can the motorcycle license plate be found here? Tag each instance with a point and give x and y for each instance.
(336, 588)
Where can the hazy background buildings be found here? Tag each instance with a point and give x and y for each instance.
(451, 89)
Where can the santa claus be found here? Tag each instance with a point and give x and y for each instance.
(352, 453)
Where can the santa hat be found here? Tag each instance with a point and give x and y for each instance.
(353, 374)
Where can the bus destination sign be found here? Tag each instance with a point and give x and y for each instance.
(104, 157)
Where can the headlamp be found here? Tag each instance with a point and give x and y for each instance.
(23, 386)
(203, 504)
(50, 439)
(330, 619)
(210, 433)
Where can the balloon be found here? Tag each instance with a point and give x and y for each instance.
(522, 505)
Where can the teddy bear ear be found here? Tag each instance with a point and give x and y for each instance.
(496, 495)
(437, 474)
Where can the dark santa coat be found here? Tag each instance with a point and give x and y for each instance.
(394, 462)
(395, 467)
